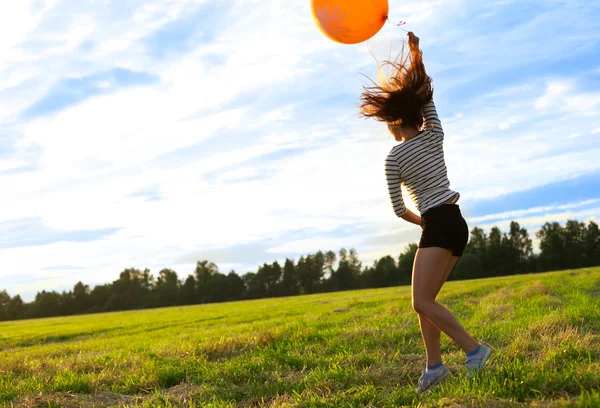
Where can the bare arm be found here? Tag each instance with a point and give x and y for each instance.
(431, 120)
(411, 217)
(417, 67)
(392, 173)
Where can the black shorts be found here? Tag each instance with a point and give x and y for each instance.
(444, 227)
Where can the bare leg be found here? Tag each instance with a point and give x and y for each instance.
(428, 273)
(431, 334)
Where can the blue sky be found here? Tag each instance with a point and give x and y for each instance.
(158, 133)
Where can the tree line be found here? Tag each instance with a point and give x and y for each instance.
(574, 245)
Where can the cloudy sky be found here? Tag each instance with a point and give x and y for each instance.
(157, 133)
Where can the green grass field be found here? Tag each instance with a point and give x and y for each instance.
(346, 349)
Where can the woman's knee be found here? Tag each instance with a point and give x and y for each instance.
(421, 305)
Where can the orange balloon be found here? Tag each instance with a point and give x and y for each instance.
(350, 21)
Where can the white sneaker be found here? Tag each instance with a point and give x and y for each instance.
(431, 378)
(476, 362)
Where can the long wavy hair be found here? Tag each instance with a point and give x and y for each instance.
(400, 96)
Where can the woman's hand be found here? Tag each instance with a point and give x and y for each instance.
(413, 41)
(412, 218)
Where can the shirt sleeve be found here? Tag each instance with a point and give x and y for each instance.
(431, 121)
(394, 180)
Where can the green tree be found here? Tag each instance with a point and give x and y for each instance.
(310, 272)
(4, 305)
(405, 264)
(235, 286)
(218, 285)
(477, 243)
(167, 288)
(574, 236)
(384, 273)
(16, 308)
(188, 291)
(253, 287)
(99, 298)
(290, 283)
(347, 275)
(552, 247)
(495, 254)
(48, 304)
(133, 290)
(269, 276)
(591, 238)
(205, 271)
(469, 266)
(81, 298)
(516, 250)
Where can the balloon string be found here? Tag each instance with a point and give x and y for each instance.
(398, 24)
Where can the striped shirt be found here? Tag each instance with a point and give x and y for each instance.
(418, 163)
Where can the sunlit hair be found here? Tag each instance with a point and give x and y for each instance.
(401, 95)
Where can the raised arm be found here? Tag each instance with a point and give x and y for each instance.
(422, 85)
(431, 121)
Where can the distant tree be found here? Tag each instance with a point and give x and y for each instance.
(131, 291)
(254, 288)
(591, 238)
(552, 247)
(346, 276)
(274, 288)
(290, 282)
(48, 304)
(188, 291)
(148, 285)
(167, 288)
(520, 249)
(469, 266)
(330, 259)
(99, 298)
(574, 242)
(477, 244)
(355, 263)
(268, 275)
(4, 305)
(16, 308)
(310, 272)
(205, 271)
(574, 245)
(342, 278)
(81, 302)
(383, 273)
(235, 286)
(405, 264)
(218, 286)
(495, 254)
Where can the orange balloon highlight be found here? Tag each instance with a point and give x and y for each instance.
(349, 21)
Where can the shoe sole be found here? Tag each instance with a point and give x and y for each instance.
(439, 380)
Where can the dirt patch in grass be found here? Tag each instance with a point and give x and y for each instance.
(534, 288)
(551, 333)
(495, 310)
(256, 402)
(502, 295)
(227, 347)
(98, 399)
(464, 402)
(387, 376)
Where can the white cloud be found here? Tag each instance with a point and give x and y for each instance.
(519, 214)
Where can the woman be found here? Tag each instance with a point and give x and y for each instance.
(405, 102)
